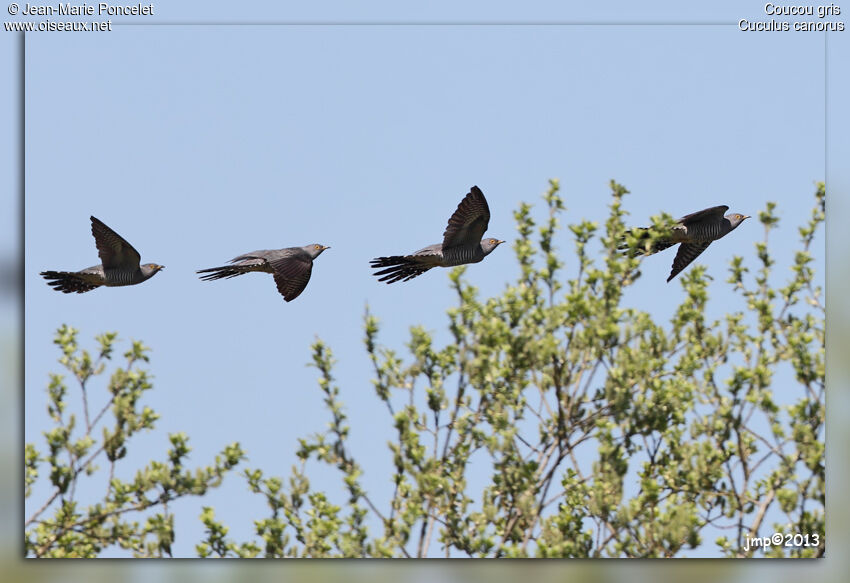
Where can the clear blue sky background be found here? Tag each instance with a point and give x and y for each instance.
(198, 143)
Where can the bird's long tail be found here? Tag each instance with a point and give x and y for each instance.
(67, 282)
(398, 268)
(645, 245)
(222, 272)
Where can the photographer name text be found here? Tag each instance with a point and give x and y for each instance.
(85, 9)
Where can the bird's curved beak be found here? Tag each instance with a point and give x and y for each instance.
(325, 247)
(747, 217)
(500, 242)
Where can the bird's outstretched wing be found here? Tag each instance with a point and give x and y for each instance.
(687, 252)
(291, 275)
(114, 251)
(713, 214)
(469, 221)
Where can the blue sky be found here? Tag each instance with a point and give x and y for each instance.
(198, 143)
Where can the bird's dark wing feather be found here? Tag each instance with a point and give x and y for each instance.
(469, 221)
(291, 274)
(714, 213)
(263, 255)
(687, 252)
(113, 250)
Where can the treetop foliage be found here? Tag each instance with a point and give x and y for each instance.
(607, 433)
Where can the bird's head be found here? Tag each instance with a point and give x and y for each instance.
(736, 219)
(153, 267)
(315, 249)
(487, 245)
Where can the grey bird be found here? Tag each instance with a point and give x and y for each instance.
(693, 232)
(119, 265)
(462, 243)
(291, 267)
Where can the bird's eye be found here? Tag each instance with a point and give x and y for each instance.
(492, 241)
(316, 246)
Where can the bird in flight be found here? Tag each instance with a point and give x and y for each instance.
(462, 243)
(693, 233)
(119, 265)
(291, 267)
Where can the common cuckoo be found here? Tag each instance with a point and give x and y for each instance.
(693, 232)
(462, 243)
(291, 267)
(119, 265)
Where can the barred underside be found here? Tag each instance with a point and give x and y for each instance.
(462, 255)
(708, 231)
